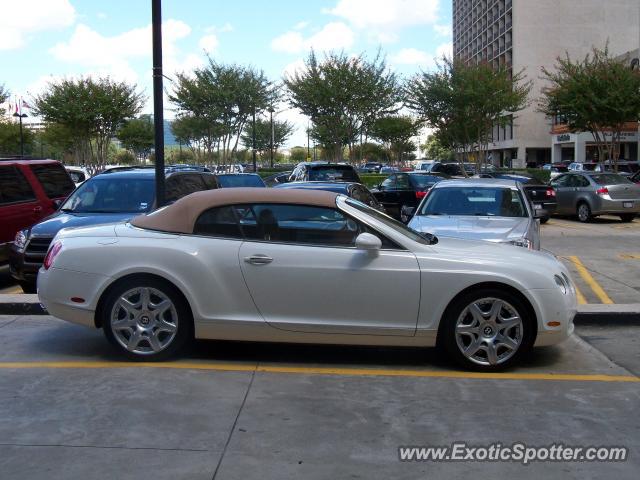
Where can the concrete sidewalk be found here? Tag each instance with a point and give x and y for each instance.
(616, 314)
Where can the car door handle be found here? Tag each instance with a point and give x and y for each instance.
(37, 209)
(258, 259)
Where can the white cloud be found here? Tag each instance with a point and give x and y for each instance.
(333, 36)
(209, 43)
(113, 55)
(293, 67)
(301, 25)
(384, 18)
(443, 30)
(446, 50)
(21, 18)
(412, 56)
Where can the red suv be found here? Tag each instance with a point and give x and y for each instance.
(30, 190)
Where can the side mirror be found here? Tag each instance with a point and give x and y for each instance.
(367, 241)
(540, 213)
(379, 187)
(56, 204)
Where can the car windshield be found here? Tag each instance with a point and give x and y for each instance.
(231, 181)
(423, 181)
(609, 179)
(108, 194)
(395, 225)
(474, 201)
(331, 173)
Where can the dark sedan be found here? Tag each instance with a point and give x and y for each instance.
(236, 180)
(354, 190)
(405, 190)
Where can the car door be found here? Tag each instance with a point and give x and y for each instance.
(406, 192)
(19, 207)
(388, 194)
(564, 194)
(305, 274)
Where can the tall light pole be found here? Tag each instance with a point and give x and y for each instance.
(158, 107)
(20, 116)
(308, 144)
(253, 140)
(272, 135)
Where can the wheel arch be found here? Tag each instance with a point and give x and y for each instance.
(531, 311)
(115, 283)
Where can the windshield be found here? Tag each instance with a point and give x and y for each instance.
(423, 181)
(105, 194)
(333, 173)
(609, 179)
(231, 181)
(395, 225)
(478, 201)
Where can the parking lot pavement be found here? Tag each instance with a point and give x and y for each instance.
(71, 409)
(603, 257)
(7, 283)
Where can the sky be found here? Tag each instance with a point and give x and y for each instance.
(45, 40)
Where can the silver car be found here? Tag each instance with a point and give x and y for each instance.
(589, 194)
(480, 209)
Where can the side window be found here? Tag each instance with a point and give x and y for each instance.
(14, 187)
(389, 183)
(54, 179)
(403, 182)
(583, 182)
(179, 186)
(218, 222)
(560, 181)
(210, 181)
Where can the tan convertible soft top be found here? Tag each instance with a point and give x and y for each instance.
(181, 216)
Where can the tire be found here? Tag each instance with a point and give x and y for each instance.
(583, 212)
(627, 217)
(28, 287)
(136, 330)
(544, 220)
(462, 331)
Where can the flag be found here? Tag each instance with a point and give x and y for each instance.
(25, 104)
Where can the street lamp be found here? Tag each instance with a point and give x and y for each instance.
(253, 140)
(272, 135)
(158, 107)
(20, 117)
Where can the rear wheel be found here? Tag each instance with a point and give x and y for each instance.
(627, 217)
(487, 330)
(584, 212)
(28, 287)
(147, 319)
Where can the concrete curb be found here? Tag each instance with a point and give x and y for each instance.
(594, 314)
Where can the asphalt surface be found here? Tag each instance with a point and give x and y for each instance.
(228, 410)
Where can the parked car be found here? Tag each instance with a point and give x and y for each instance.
(236, 168)
(583, 167)
(625, 168)
(635, 178)
(324, 172)
(234, 180)
(387, 169)
(589, 194)
(353, 190)
(371, 167)
(423, 165)
(555, 169)
(405, 190)
(181, 167)
(283, 265)
(277, 178)
(452, 169)
(105, 198)
(30, 190)
(78, 174)
(480, 209)
(542, 196)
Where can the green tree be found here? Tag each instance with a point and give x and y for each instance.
(91, 110)
(434, 150)
(4, 96)
(396, 132)
(226, 96)
(282, 130)
(371, 152)
(10, 138)
(137, 136)
(193, 132)
(598, 94)
(342, 95)
(298, 154)
(464, 101)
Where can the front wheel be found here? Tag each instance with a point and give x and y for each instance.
(627, 217)
(487, 330)
(147, 319)
(584, 213)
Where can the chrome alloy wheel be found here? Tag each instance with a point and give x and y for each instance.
(583, 212)
(489, 331)
(144, 320)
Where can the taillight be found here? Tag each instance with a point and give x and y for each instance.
(52, 254)
(551, 192)
(602, 191)
(421, 195)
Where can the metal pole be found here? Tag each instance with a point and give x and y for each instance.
(308, 144)
(272, 135)
(253, 140)
(21, 138)
(158, 107)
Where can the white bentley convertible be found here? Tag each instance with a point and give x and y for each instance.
(302, 266)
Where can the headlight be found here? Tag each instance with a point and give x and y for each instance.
(20, 241)
(562, 284)
(522, 242)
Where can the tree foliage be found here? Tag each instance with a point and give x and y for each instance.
(4, 96)
(10, 138)
(462, 102)
(342, 96)
(396, 132)
(282, 131)
(598, 94)
(224, 97)
(298, 154)
(92, 110)
(137, 136)
(434, 150)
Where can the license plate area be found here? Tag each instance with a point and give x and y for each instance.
(627, 204)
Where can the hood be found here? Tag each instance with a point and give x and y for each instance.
(50, 226)
(493, 229)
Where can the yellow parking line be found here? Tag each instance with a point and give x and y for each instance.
(359, 372)
(586, 276)
(629, 256)
(10, 290)
(581, 299)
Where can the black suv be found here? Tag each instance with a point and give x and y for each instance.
(324, 172)
(112, 196)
